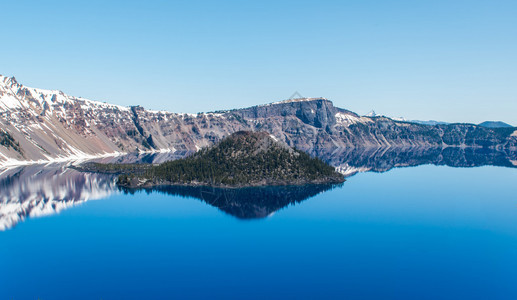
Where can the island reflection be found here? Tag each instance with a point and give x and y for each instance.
(248, 202)
(36, 190)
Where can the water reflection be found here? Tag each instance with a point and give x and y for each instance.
(37, 190)
(145, 158)
(353, 161)
(246, 203)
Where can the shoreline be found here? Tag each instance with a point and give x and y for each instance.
(10, 163)
(146, 185)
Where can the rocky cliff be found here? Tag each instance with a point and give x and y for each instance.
(45, 125)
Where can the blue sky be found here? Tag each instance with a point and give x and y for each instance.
(445, 60)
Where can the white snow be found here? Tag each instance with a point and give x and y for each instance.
(401, 119)
(9, 102)
(348, 119)
(157, 112)
(371, 114)
(53, 98)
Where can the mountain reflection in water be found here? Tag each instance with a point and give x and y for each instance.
(352, 161)
(37, 190)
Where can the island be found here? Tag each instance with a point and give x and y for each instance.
(243, 159)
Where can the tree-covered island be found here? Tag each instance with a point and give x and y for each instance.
(242, 159)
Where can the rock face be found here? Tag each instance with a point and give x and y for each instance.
(38, 124)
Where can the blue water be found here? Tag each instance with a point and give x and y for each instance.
(424, 232)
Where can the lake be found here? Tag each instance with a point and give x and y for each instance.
(405, 225)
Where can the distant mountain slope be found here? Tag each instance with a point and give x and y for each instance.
(495, 124)
(49, 125)
(430, 122)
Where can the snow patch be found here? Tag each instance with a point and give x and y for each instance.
(348, 119)
(371, 114)
(400, 119)
(9, 102)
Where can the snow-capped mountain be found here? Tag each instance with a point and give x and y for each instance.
(371, 114)
(49, 125)
(46, 124)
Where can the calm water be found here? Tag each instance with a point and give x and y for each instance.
(426, 232)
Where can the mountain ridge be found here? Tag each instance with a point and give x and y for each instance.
(494, 124)
(49, 125)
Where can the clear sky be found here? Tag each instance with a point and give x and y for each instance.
(445, 60)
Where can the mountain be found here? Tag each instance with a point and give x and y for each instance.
(495, 124)
(244, 158)
(371, 114)
(45, 125)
